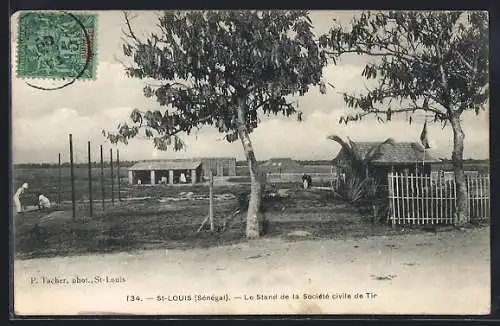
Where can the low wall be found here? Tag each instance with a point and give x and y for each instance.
(316, 178)
(309, 169)
(230, 180)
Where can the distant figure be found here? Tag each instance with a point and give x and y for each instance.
(306, 181)
(139, 182)
(43, 202)
(164, 180)
(182, 178)
(17, 195)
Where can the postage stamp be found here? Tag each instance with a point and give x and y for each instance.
(56, 45)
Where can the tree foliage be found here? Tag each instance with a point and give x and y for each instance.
(431, 61)
(360, 160)
(435, 62)
(202, 62)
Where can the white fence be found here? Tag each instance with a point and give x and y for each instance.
(419, 199)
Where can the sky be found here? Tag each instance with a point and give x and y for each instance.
(42, 120)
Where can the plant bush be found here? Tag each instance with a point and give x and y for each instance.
(355, 189)
(369, 195)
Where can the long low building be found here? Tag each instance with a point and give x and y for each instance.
(180, 171)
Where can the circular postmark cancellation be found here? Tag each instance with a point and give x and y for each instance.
(58, 46)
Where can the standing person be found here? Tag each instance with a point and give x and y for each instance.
(17, 199)
(306, 181)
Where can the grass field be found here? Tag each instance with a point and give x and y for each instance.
(45, 180)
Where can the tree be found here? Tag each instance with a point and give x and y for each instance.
(360, 161)
(223, 69)
(432, 62)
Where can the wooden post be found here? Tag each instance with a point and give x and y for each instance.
(194, 176)
(72, 175)
(411, 196)
(112, 176)
(488, 189)
(118, 173)
(170, 177)
(483, 191)
(454, 197)
(153, 177)
(131, 177)
(391, 199)
(211, 201)
(470, 201)
(90, 181)
(102, 179)
(478, 202)
(407, 195)
(450, 200)
(425, 197)
(441, 208)
(59, 180)
(398, 196)
(432, 196)
(480, 183)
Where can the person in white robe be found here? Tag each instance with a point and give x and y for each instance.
(43, 202)
(17, 197)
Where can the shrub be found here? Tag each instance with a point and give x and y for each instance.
(355, 189)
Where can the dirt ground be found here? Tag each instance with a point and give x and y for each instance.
(170, 223)
(417, 273)
(319, 256)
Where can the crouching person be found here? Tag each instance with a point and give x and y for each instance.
(43, 202)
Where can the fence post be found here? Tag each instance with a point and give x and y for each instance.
(118, 173)
(440, 200)
(391, 198)
(211, 201)
(112, 176)
(90, 181)
(398, 197)
(430, 200)
(411, 198)
(488, 206)
(102, 179)
(455, 197)
(72, 175)
(59, 180)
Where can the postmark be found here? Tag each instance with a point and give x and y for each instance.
(56, 45)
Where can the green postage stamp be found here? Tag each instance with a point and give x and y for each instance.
(56, 45)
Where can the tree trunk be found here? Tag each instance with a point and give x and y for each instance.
(461, 212)
(254, 216)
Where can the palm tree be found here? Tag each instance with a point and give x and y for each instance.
(357, 184)
(360, 161)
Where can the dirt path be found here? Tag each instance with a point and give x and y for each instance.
(443, 273)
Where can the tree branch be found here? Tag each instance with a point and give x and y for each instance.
(469, 66)
(403, 110)
(131, 32)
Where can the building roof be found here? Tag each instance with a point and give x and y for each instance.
(399, 153)
(281, 162)
(166, 165)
